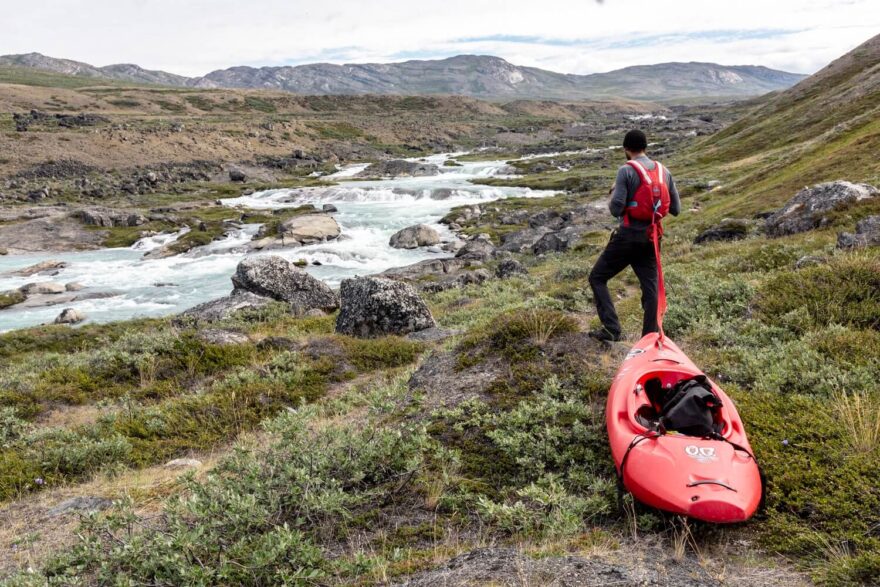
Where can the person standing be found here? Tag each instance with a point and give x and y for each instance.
(643, 193)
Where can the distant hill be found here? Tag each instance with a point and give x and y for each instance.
(478, 76)
(825, 127)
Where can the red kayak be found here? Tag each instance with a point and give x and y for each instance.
(715, 479)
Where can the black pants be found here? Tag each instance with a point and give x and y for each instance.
(626, 248)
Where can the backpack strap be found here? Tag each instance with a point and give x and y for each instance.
(643, 173)
(661, 173)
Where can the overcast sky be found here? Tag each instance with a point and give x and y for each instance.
(193, 37)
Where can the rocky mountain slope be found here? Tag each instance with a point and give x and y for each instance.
(479, 76)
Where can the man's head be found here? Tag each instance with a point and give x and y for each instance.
(634, 143)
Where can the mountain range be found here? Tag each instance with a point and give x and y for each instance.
(479, 76)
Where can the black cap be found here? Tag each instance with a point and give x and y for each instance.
(635, 141)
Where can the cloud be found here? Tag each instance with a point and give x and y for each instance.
(193, 37)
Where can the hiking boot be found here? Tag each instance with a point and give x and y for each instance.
(604, 335)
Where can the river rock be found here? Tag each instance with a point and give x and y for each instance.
(277, 278)
(328, 208)
(809, 208)
(727, 230)
(412, 237)
(867, 235)
(43, 287)
(237, 175)
(400, 168)
(372, 306)
(70, 316)
(73, 286)
(309, 228)
(108, 217)
(11, 298)
(42, 268)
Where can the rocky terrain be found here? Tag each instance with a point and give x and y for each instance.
(479, 76)
(443, 423)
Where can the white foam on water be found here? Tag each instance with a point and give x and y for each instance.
(369, 212)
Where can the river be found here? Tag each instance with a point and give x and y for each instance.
(369, 212)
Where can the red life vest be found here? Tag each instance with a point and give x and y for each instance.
(650, 203)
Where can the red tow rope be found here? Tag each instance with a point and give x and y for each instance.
(654, 233)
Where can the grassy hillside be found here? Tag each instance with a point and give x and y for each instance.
(826, 127)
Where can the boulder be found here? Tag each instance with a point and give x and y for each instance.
(727, 230)
(373, 306)
(309, 228)
(108, 217)
(70, 316)
(549, 218)
(460, 280)
(867, 235)
(400, 168)
(237, 175)
(223, 308)
(412, 237)
(809, 208)
(73, 286)
(478, 248)
(43, 287)
(277, 278)
(329, 208)
(220, 337)
(42, 268)
(509, 268)
(561, 240)
(524, 240)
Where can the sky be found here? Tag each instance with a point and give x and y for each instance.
(194, 37)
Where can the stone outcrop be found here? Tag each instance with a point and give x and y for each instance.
(400, 168)
(108, 217)
(43, 287)
(412, 237)
(373, 306)
(810, 207)
(479, 248)
(509, 268)
(42, 268)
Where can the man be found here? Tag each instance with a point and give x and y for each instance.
(631, 243)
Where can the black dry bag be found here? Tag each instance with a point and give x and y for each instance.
(690, 408)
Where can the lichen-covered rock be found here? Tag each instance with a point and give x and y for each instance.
(867, 235)
(810, 207)
(509, 268)
(372, 306)
(479, 248)
(728, 229)
(223, 308)
(220, 337)
(277, 278)
(412, 237)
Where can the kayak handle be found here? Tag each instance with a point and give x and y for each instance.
(712, 482)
